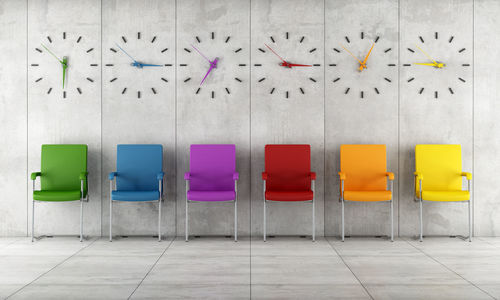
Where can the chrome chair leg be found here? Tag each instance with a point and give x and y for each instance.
(33, 222)
(342, 220)
(421, 221)
(392, 220)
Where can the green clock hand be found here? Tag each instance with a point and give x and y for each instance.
(64, 66)
(52, 54)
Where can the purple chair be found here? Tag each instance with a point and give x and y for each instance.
(212, 176)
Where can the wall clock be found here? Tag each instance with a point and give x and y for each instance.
(438, 67)
(137, 65)
(287, 64)
(64, 65)
(217, 65)
(362, 65)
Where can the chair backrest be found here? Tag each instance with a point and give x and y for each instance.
(137, 167)
(212, 167)
(288, 167)
(61, 166)
(365, 167)
(440, 165)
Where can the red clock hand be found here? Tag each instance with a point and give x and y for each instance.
(284, 62)
(298, 65)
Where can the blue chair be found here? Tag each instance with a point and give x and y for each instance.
(139, 178)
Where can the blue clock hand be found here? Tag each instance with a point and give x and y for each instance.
(135, 62)
(150, 65)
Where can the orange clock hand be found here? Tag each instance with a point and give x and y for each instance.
(360, 62)
(363, 66)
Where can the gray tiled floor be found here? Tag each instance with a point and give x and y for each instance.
(218, 268)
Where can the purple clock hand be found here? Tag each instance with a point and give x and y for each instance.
(213, 65)
(201, 54)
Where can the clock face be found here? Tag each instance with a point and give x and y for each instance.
(439, 66)
(362, 64)
(64, 65)
(213, 65)
(287, 64)
(137, 65)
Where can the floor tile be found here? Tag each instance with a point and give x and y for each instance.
(430, 291)
(193, 291)
(308, 291)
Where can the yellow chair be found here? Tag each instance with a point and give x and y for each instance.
(438, 177)
(363, 177)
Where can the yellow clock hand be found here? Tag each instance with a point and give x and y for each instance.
(428, 56)
(436, 65)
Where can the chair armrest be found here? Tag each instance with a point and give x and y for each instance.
(342, 176)
(265, 176)
(187, 176)
(112, 175)
(390, 175)
(160, 175)
(312, 175)
(34, 175)
(418, 175)
(467, 175)
(236, 176)
(83, 175)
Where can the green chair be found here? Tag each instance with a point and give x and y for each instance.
(63, 177)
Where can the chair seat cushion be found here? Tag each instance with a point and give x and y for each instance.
(367, 195)
(56, 195)
(135, 195)
(289, 195)
(445, 195)
(211, 195)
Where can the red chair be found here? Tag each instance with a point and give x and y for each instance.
(288, 176)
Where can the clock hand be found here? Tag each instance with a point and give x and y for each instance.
(360, 62)
(285, 64)
(428, 56)
(436, 65)
(135, 64)
(64, 66)
(363, 66)
(149, 65)
(213, 65)
(201, 54)
(52, 54)
(297, 65)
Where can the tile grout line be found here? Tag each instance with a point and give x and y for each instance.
(448, 268)
(150, 269)
(48, 271)
(399, 117)
(341, 258)
(250, 139)
(493, 245)
(27, 122)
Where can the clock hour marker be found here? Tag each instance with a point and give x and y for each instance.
(187, 50)
(316, 65)
(362, 35)
(312, 50)
(336, 79)
(112, 50)
(302, 91)
(48, 38)
(347, 91)
(138, 35)
(461, 50)
(34, 65)
(411, 79)
(262, 50)
(272, 39)
(198, 39)
(187, 79)
(162, 51)
(183, 65)
(376, 39)
(237, 79)
(347, 39)
(124, 39)
(90, 50)
(257, 65)
(197, 91)
(50, 90)
(286, 35)
(387, 50)
(451, 91)
(242, 65)
(362, 95)
(227, 39)
(124, 90)
(112, 80)
(64, 35)
(138, 94)
(164, 79)
(39, 79)
(421, 39)
(213, 94)
(168, 65)
(465, 65)
(411, 50)
(421, 91)
(154, 39)
(79, 39)
(391, 65)
(213, 35)
(376, 91)
(301, 39)
(93, 65)
(272, 91)
(436, 35)
(90, 79)
(406, 65)
(312, 79)
(262, 79)
(154, 91)
(451, 39)
(109, 65)
(237, 50)
(64, 94)
(336, 50)
(227, 91)
(387, 79)
(436, 94)
(332, 65)
(38, 50)
(79, 90)
(286, 94)
(461, 79)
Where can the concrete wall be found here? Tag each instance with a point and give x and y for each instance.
(249, 115)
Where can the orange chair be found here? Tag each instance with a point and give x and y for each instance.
(363, 177)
